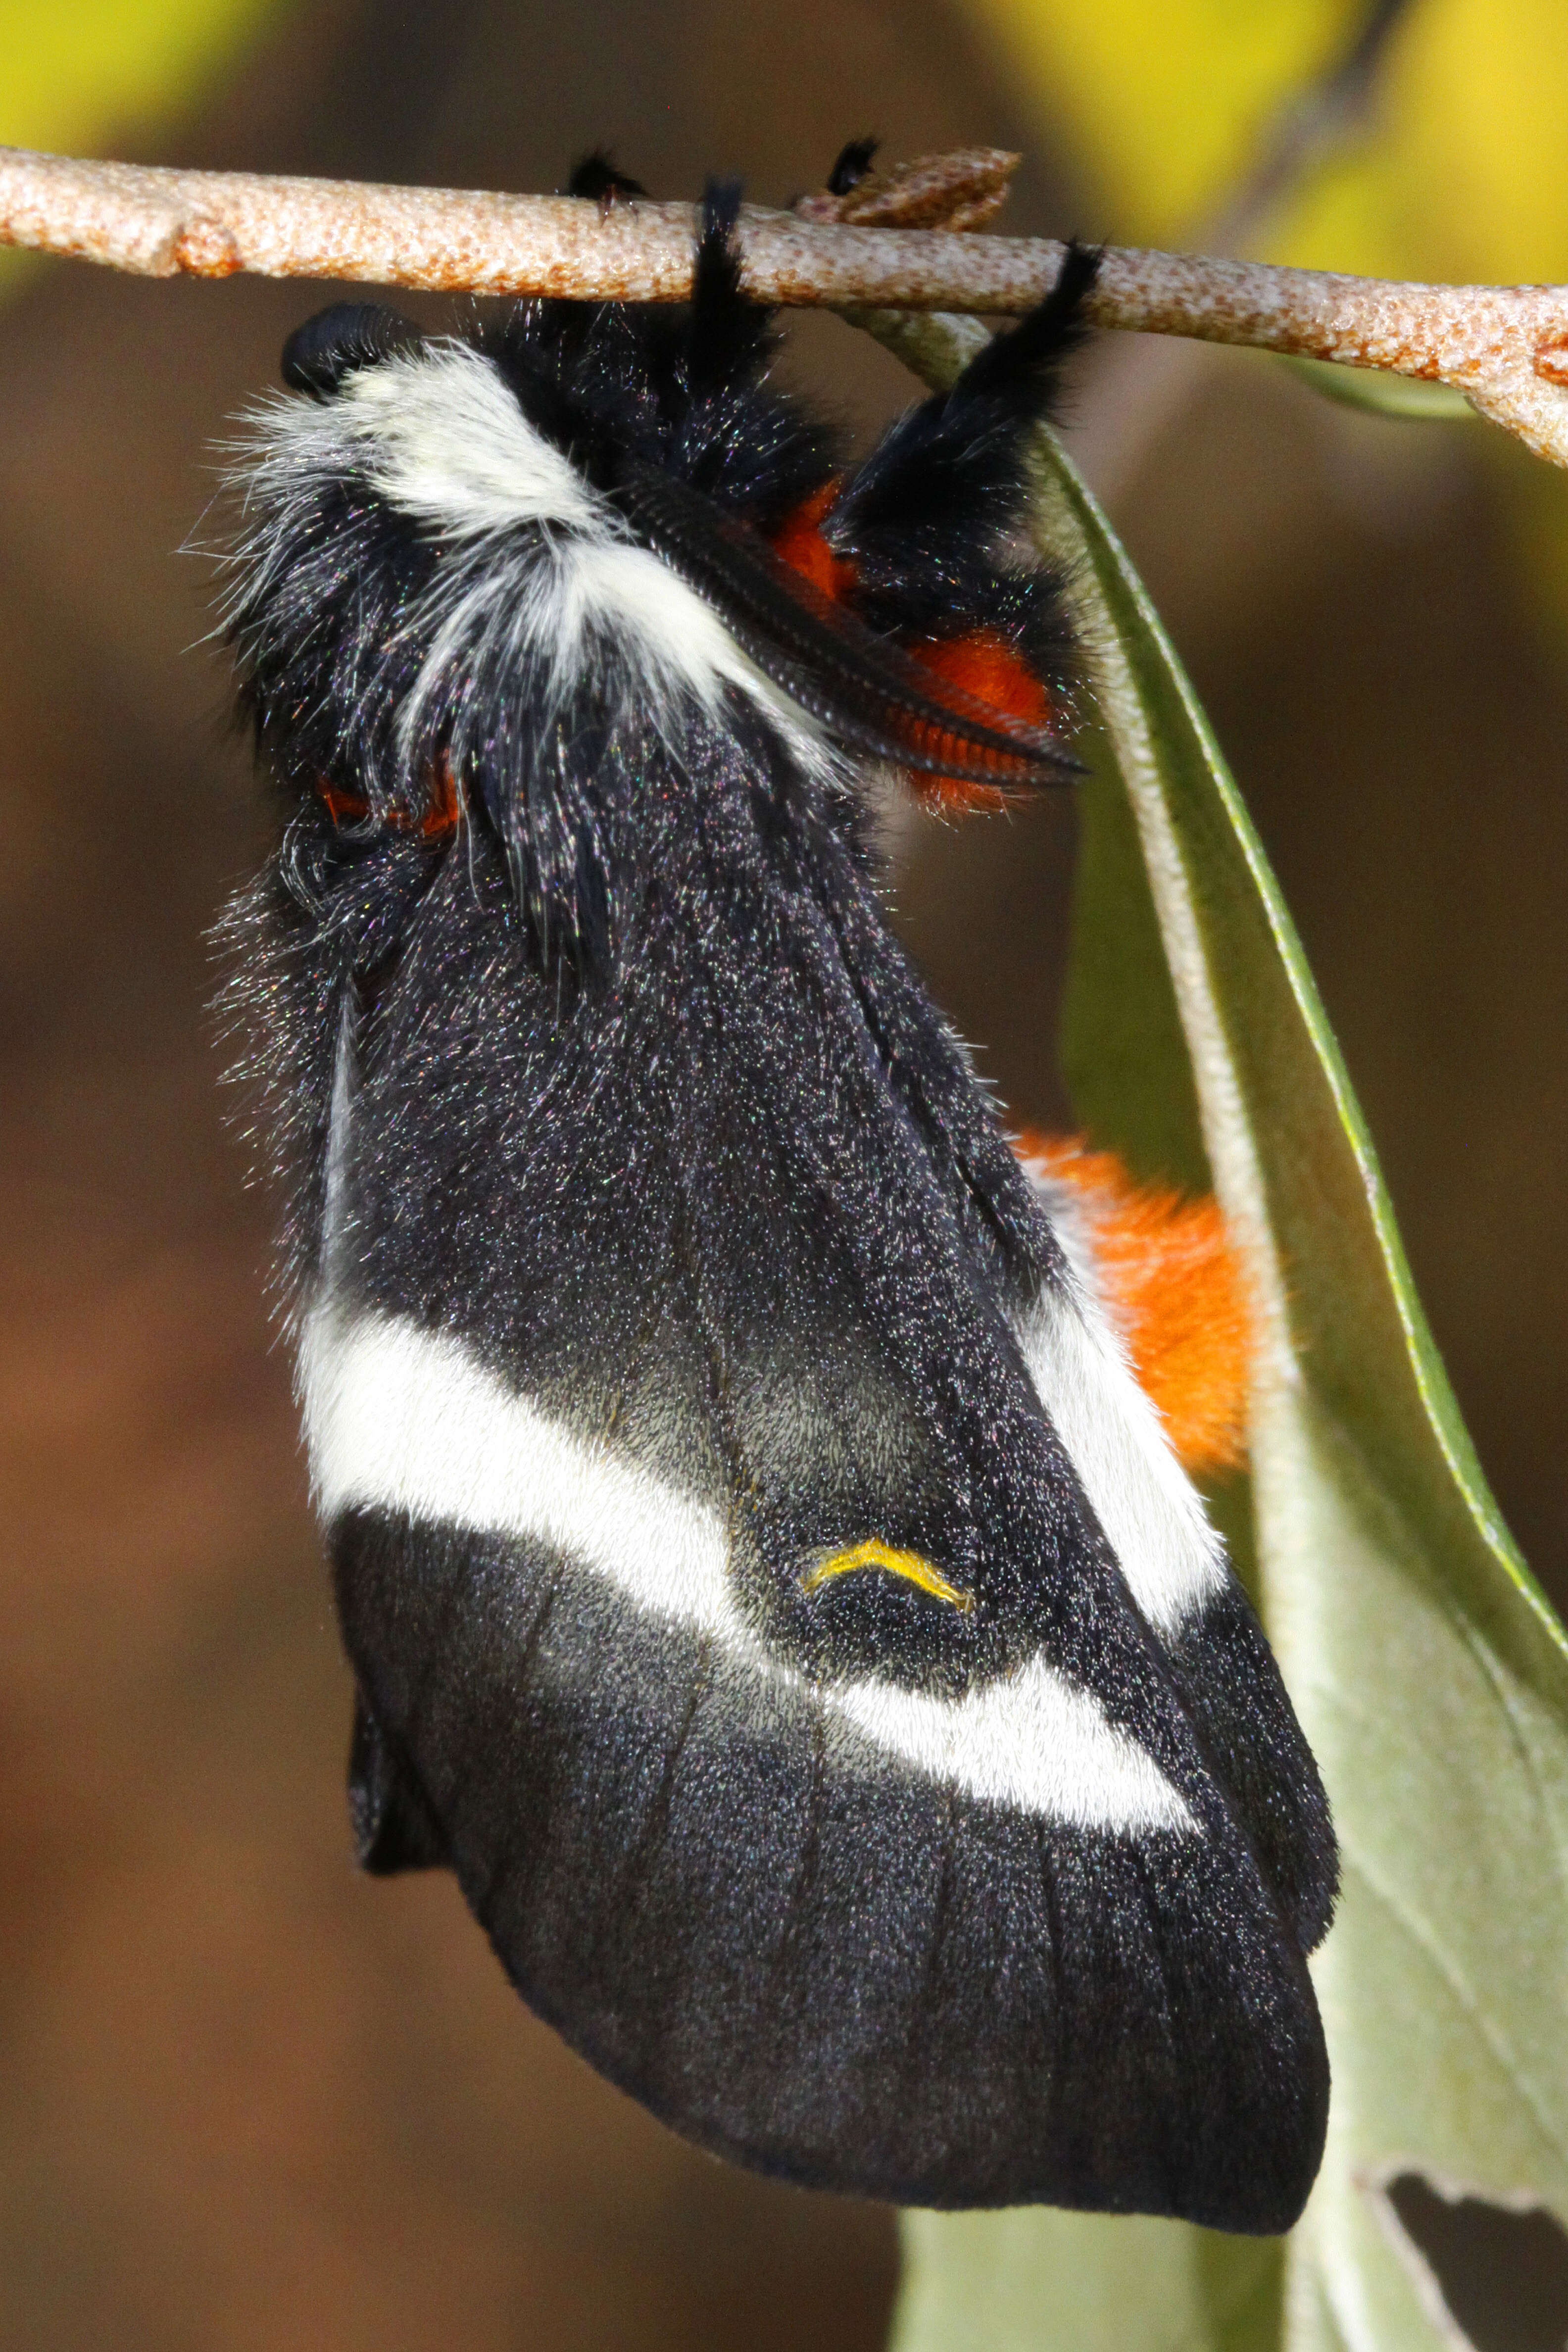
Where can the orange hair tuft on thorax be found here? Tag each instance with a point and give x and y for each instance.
(985, 666)
(1174, 1283)
(981, 663)
(799, 542)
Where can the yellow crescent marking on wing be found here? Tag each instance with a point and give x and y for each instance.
(909, 1565)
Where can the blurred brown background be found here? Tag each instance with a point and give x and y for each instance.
(245, 2098)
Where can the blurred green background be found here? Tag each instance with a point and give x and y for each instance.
(247, 2099)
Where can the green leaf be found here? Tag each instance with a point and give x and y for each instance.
(1428, 1670)
(990, 2281)
(96, 76)
(76, 77)
(1409, 398)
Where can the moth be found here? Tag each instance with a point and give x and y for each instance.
(768, 1586)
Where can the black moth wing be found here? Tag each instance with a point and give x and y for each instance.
(765, 1585)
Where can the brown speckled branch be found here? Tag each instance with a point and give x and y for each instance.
(1506, 348)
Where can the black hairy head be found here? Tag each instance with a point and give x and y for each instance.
(348, 335)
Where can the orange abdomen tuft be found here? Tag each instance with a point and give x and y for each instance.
(1174, 1283)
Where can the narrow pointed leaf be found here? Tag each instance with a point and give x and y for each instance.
(1078, 2281)
(1429, 1671)
(1410, 399)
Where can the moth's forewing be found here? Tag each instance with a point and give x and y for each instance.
(629, 1322)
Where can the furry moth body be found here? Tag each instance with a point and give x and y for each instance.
(767, 1586)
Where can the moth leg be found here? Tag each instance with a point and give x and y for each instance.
(728, 334)
(855, 158)
(597, 179)
(957, 464)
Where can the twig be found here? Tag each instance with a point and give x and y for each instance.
(1132, 391)
(960, 190)
(1330, 113)
(1506, 348)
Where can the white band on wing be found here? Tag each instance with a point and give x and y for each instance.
(1170, 1559)
(409, 1422)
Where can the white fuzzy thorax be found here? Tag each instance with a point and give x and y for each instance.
(539, 573)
